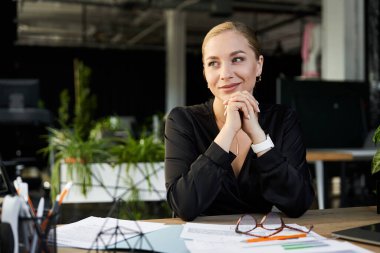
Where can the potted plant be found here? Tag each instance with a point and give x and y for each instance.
(100, 157)
(74, 142)
(85, 149)
(133, 169)
(376, 166)
(144, 153)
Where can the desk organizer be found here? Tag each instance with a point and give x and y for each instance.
(21, 231)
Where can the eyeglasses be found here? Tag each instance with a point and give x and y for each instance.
(271, 222)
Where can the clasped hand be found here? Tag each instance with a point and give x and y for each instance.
(241, 112)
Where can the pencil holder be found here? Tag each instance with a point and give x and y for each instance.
(21, 231)
(43, 236)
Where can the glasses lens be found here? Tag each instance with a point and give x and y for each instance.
(246, 224)
(271, 221)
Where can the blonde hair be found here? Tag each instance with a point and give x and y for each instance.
(241, 28)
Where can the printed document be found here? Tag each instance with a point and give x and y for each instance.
(99, 233)
(210, 238)
(226, 233)
(313, 246)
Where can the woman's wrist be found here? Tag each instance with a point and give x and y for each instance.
(258, 137)
(225, 138)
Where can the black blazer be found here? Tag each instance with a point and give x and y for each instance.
(199, 176)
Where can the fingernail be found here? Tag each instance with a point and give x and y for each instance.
(249, 117)
(225, 112)
(258, 109)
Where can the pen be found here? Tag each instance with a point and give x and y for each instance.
(50, 213)
(57, 204)
(64, 192)
(40, 210)
(279, 237)
(22, 191)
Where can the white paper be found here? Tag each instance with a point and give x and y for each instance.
(86, 233)
(226, 233)
(317, 246)
(310, 246)
(209, 238)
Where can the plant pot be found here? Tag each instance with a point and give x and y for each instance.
(73, 160)
(109, 183)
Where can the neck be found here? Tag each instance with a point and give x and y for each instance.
(218, 109)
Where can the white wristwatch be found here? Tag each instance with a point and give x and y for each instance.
(268, 143)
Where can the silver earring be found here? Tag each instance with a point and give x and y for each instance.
(258, 79)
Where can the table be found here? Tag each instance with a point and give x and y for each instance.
(319, 156)
(324, 221)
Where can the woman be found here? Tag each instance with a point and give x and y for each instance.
(230, 154)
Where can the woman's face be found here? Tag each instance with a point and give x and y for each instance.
(230, 64)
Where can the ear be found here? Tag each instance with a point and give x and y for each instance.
(260, 63)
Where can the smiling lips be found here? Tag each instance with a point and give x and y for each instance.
(229, 87)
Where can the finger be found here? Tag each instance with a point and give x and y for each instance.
(242, 107)
(250, 103)
(245, 97)
(239, 106)
(253, 101)
(245, 111)
(250, 97)
(256, 106)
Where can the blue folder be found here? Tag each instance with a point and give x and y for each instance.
(166, 240)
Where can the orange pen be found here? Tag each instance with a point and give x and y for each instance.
(279, 237)
(64, 192)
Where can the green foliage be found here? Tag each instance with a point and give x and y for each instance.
(63, 110)
(81, 140)
(68, 146)
(85, 102)
(138, 153)
(72, 143)
(376, 157)
(143, 149)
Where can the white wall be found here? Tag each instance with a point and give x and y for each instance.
(343, 51)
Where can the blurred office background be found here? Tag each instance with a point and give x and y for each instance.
(145, 57)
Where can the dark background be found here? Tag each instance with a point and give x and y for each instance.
(126, 82)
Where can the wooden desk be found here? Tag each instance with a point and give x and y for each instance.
(319, 156)
(324, 221)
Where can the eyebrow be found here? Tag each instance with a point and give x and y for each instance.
(237, 52)
(231, 54)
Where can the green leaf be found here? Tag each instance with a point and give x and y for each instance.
(376, 162)
(375, 166)
(376, 136)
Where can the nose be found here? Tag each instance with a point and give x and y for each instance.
(225, 72)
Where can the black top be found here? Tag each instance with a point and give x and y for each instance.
(200, 179)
